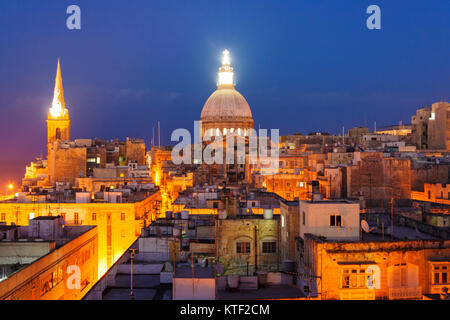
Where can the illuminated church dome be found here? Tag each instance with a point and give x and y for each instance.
(226, 110)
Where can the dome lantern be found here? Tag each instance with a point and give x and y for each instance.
(226, 110)
(226, 75)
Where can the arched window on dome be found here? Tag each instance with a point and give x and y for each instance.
(217, 132)
(232, 130)
(224, 131)
(211, 132)
(245, 132)
(239, 131)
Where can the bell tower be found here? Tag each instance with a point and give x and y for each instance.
(58, 121)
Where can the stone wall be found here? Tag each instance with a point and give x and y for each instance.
(254, 231)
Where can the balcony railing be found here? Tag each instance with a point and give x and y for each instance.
(405, 293)
(357, 294)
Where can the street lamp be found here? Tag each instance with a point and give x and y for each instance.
(131, 284)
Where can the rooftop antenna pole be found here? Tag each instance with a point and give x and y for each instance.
(153, 136)
(375, 127)
(131, 284)
(343, 135)
(159, 135)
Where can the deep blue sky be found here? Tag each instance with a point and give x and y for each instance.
(302, 65)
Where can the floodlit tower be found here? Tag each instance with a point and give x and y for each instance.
(58, 121)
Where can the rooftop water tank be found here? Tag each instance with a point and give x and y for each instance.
(268, 214)
(185, 215)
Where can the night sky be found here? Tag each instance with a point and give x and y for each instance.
(302, 65)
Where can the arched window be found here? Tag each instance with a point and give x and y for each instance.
(58, 134)
(239, 131)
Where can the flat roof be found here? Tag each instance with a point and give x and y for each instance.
(4, 227)
(194, 272)
(47, 218)
(283, 291)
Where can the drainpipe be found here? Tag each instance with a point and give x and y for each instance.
(256, 250)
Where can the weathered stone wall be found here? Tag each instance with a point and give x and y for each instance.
(135, 151)
(327, 260)
(65, 165)
(231, 231)
(290, 230)
(378, 178)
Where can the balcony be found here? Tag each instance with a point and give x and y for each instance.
(405, 293)
(357, 294)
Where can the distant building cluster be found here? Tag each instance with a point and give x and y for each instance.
(361, 215)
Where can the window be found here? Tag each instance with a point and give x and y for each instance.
(3, 216)
(94, 217)
(122, 216)
(269, 247)
(242, 247)
(400, 275)
(75, 218)
(303, 217)
(441, 274)
(354, 278)
(335, 221)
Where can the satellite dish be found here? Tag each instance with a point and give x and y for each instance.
(365, 226)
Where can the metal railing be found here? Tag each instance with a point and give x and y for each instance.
(405, 293)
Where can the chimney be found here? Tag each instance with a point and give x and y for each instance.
(316, 195)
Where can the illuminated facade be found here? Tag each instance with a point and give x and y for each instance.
(58, 121)
(49, 258)
(375, 270)
(118, 224)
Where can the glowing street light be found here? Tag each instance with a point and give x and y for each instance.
(10, 186)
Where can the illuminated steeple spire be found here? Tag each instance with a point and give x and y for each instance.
(226, 72)
(58, 109)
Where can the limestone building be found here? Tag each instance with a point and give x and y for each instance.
(38, 261)
(439, 126)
